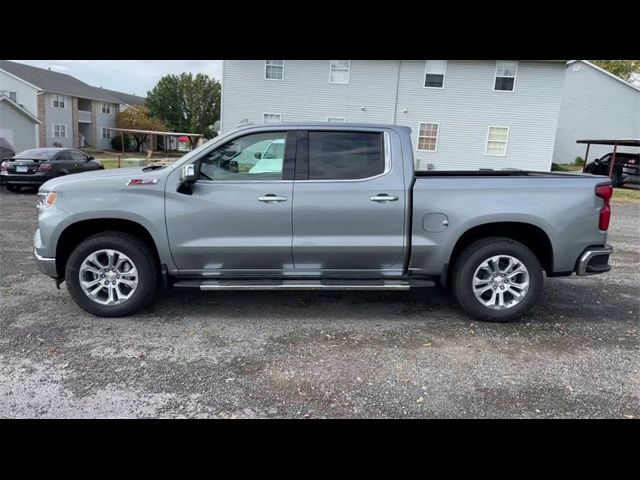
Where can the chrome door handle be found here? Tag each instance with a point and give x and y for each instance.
(271, 198)
(383, 197)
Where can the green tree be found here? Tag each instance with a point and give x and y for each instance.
(137, 117)
(628, 70)
(186, 103)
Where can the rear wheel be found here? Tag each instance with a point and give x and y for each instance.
(616, 179)
(13, 188)
(112, 274)
(497, 279)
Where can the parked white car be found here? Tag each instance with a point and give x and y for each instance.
(270, 160)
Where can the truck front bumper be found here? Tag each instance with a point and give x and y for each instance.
(594, 260)
(46, 265)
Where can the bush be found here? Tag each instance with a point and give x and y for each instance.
(116, 142)
(579, 161)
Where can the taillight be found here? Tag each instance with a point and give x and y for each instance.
(45, 168)
(3, 168)
(605, 192)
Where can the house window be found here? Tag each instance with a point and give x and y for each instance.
(106, 108)
(271, 117)
(107, 133)
(274, 69)
(12, 96)
(505, 76)
(59, 131)
(428, 137)
(336, 119)
(339, 71)
(497, 138)
(434, 73)
(58, 101)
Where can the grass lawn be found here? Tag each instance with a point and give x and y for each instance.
(626, 195)
(109, 158)
(569, 168)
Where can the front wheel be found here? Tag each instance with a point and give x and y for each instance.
(497, 279)
(112, 274)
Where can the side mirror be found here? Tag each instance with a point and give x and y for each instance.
(188, 174)
(188, 177)
(258, 155)
(91, 157)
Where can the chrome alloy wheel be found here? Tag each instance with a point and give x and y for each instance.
(500, 282)
(108, 277)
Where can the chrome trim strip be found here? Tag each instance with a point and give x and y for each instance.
(590, 254)
(294, 286)
(387, 166)
(387, 160)
(46, 265)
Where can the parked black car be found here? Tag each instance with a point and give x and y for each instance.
(625, 170)
(34, 167)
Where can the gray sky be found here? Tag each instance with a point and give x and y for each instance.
(128, 76)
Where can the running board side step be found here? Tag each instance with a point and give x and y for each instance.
(240, 284)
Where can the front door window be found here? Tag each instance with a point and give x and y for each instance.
(258, 156)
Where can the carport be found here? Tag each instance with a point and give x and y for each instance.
(154, 133)
(627, 142)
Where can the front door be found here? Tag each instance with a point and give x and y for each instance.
(81, 162)
(349, 204)
(64, 164)
(237, 221)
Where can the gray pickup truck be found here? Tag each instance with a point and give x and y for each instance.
(323, 207)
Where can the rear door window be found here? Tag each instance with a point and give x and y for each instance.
(345, 155)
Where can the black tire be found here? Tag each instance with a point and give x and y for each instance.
(13, 188)
(616, 178)
(472, 257)
(149, 278)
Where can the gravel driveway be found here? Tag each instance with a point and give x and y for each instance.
(312, 354)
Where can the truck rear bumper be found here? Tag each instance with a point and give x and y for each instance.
(594, 260)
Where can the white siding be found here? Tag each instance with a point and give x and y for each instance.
(25, 94)
(467, 106)
(104, 120)
(464, 109)
(58, 116)
(594, 106)
(305, 94)
(21, 127)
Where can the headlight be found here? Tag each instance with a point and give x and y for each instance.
(46, 199)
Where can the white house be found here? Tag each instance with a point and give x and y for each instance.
(464, 115)
(595, 105)
(19, 122)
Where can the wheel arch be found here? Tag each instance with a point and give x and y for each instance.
(532, 236)
(76, 232)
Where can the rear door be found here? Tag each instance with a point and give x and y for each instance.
(349, 203)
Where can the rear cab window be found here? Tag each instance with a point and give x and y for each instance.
(344, 155)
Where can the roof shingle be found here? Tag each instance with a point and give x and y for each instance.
(56, 82)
